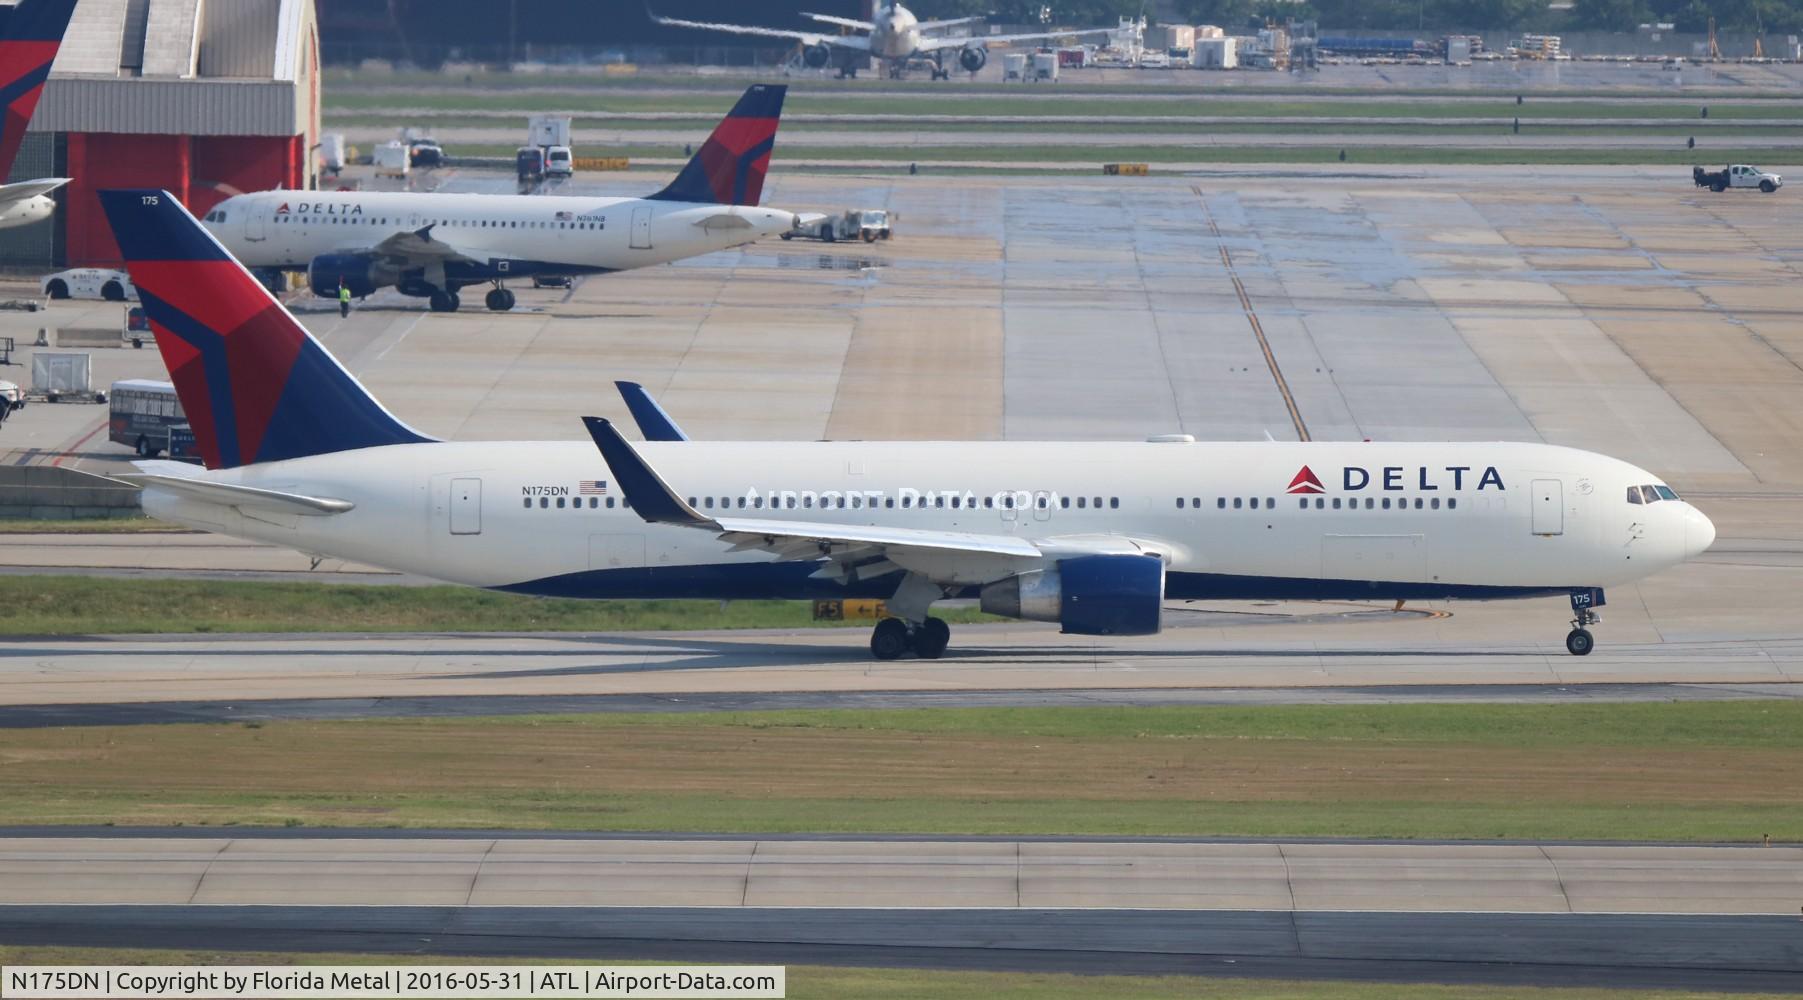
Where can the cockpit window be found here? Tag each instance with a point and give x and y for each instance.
(1666, 493)
(1633, 494)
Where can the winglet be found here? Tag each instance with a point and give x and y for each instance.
(648, 494)
(653, 422)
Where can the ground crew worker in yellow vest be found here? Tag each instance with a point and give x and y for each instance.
(344, 300)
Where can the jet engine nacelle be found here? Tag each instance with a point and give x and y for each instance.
(817, 56)
(973, 58)
(357, 273)
(1087, 595)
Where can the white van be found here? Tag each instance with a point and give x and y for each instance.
(558, 162)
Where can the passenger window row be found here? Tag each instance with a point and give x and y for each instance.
(1651, 494)
(857, 501)
(575, 503)
(1384, 503)
(346, 220)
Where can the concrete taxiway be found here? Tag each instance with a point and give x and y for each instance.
(1488, 912)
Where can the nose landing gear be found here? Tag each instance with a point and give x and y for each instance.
(1579, 641)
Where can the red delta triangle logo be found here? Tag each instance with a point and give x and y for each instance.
(283, 210)
(1305, 482)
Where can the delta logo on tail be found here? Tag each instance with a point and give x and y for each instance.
(1305, 482)
(729, 168)
(30, 34)
(253, 385)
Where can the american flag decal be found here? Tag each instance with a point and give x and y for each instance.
(591, 487)
(565, 216)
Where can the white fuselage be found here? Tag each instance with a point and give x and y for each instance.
(1411, 520)
(893, 33)
(288, 229)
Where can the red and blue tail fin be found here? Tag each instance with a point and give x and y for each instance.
(30, 34)
(729, 167)
(255, 385)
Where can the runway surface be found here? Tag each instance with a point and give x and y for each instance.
(1699, 916)
(1721, 626)
(322, 709)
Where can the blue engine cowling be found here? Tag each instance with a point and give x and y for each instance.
(973, 57)
(1087, 595)
(327, 270)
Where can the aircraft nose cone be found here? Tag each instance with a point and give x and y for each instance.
(1699, 533)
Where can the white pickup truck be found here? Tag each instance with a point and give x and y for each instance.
(1740, 175)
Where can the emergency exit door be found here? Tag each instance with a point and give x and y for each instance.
(641, 227)
(1548, 507)
(466, 506)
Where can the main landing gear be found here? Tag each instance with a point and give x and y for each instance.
(894, 638)
(911, 630)
(1579, 641)
(499, 299)
(444, 302)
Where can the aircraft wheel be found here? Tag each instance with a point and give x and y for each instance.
(443, 302)
(1579, 642)
(456, 302)
(931, 638)
(499, 299)
(890, 639)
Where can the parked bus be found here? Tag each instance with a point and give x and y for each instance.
(147, 416)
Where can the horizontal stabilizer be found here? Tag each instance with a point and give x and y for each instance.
(21, 190)
(233, 495)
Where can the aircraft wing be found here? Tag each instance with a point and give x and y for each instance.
(927, 26)
(935, 44)
(418, 246)
(233, 495)
(844, 22)
(859, 42)
(847, 551)
(22, 190)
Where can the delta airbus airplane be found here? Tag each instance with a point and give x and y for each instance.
(1094, 536)
(31, 32)
(433, 245)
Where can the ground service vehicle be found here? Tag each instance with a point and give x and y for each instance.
(529, 164)
(392, 159)
(1740, 175)
(144, 414)
(558, 162)
(868, 224)
(89, 283)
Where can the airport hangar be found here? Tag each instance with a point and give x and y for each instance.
(201, 99)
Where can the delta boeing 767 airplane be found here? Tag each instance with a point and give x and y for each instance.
(1095, 536)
